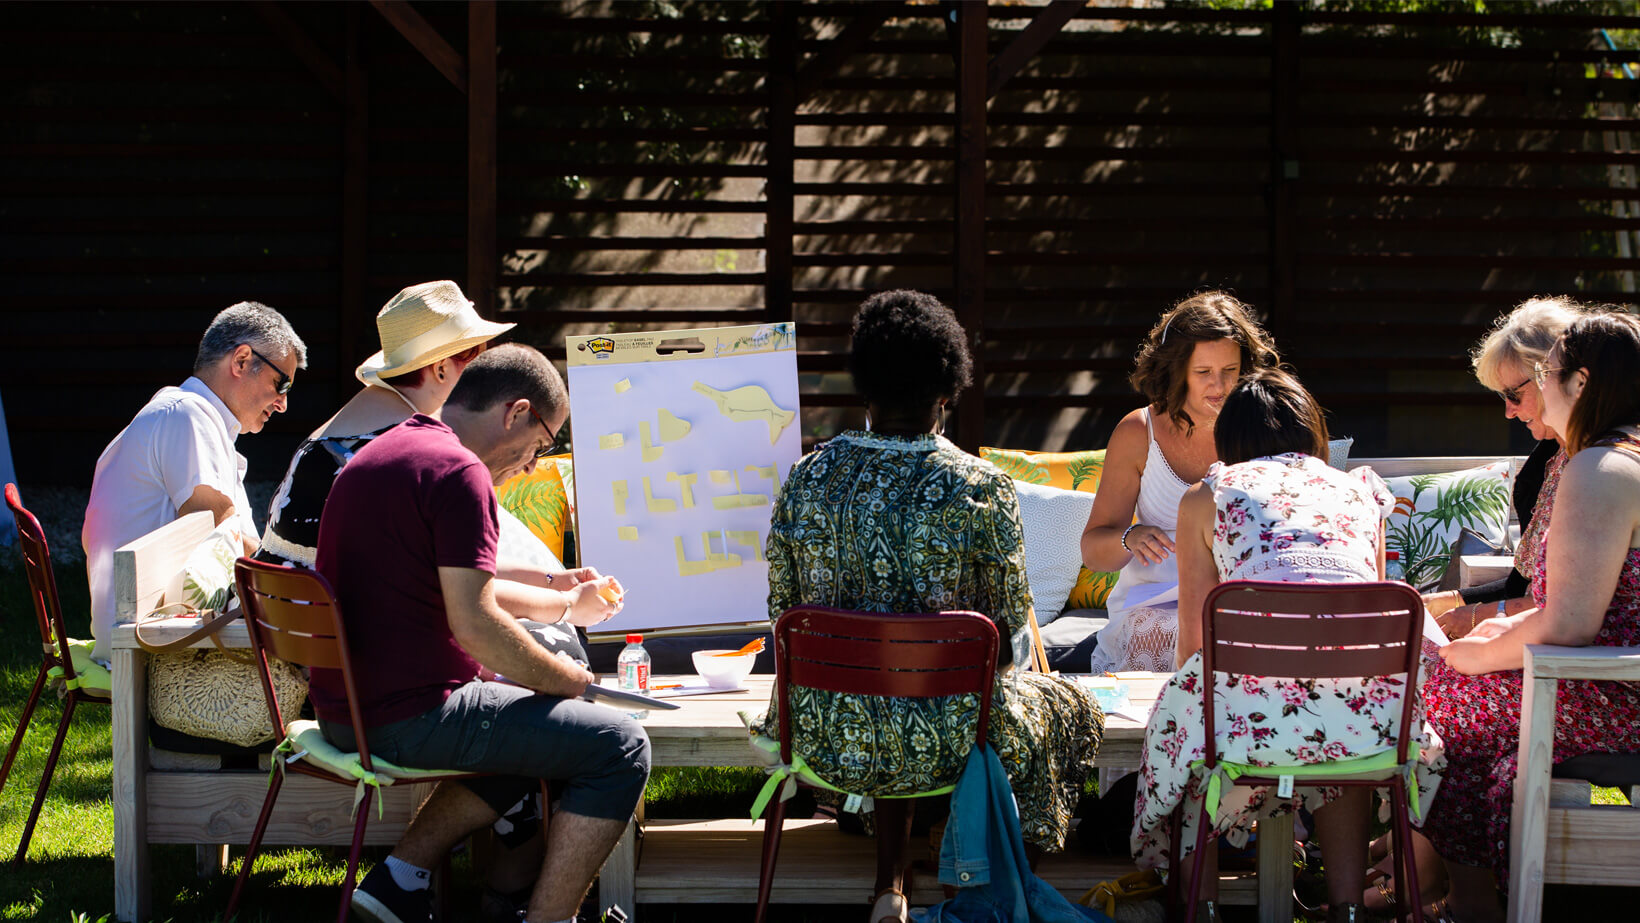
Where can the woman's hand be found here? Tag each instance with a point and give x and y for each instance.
(1469, 655)
(588, 605)
(1439, 604)
(1460, 621)
(1149, 544)
(570, 578)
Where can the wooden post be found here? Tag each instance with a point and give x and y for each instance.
(482, 259)
(780, 156)
(969, 249)
(352, 312)
(1284, 164)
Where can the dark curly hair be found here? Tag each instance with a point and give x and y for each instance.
(1160, 370)
(907, 352)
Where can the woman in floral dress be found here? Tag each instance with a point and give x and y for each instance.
(1587, 592)
(897, 519)
(1272, 510)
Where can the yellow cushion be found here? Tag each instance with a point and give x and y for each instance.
(1069, 471)
(541, 500)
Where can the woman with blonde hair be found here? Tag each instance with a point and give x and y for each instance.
(1585, 592)
(1503, 363)
(1186, 366)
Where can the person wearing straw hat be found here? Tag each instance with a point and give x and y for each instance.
(429, 332)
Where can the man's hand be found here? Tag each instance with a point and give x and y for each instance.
(494, 638)
(594, 601)
(570, 578)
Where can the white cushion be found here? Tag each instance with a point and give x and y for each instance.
(1053, 520)
(1430, 510)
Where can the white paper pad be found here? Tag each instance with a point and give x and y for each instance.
(692, 689)
(1432, 631)
(620, 698)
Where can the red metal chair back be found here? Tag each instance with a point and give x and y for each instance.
(867, 653)
(1313, 631)
(292, 615)
(42, 584)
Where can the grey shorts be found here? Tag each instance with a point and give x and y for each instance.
(597, 756)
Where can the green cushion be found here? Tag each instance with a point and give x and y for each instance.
(89, 675)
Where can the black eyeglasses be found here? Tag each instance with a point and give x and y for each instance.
(1512, 395)
(285, 381)
(552, 444)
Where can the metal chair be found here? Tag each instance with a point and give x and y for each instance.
(56, 663)
(292, 615)
(900, 656)
(1314, 631)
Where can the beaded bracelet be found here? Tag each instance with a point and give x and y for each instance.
(1124, 538)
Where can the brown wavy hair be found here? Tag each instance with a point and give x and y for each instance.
(1607, 344)
(1160, 371)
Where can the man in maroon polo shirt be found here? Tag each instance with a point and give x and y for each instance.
(408, 541)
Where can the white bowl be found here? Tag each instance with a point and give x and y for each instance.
(723, 672)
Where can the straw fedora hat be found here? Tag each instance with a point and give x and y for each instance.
(421, 325)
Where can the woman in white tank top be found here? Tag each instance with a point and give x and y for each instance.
(1186, 365)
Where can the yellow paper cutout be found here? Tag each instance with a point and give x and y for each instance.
(669, 426)
(657, 504)
(737, 499)
(719, 476)
(627, 533)
(718, 560)
(750, 538)
(750, 402)
(619, 488)
(623, 386)
(611, 441)
(686, 567)
(687, 483)
(651, 451)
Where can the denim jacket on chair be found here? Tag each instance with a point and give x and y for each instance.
(983, 857)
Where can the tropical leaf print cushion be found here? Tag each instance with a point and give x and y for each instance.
(541, 501)
(1430, 510)
(1067, 471)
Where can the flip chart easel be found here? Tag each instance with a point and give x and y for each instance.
(682, 440)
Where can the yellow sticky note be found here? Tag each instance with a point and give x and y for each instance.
(623, 386)
(611, 441)
(627, 533)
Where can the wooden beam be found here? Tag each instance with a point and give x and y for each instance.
(483, 261)
(780, 148)
(830, 59)
(353, 313)
(418, 32)
(969, 247)
(1046, 24)
(300, 44)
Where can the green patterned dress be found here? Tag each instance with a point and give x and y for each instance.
(914, 524)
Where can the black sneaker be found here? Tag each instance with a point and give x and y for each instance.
(379, 899)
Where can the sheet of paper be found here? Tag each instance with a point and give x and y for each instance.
(700, 688)
(1432, 630)
(620, 698)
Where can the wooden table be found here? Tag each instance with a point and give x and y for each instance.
(716, 861)
(221, 807)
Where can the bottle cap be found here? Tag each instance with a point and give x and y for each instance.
(634, 639)
(1392, 556)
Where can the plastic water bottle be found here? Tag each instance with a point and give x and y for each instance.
(1392, 567)
(633, 669)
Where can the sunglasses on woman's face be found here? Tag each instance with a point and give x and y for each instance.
(1512, 395)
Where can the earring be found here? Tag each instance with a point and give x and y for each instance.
(868, 421)
(941, 430)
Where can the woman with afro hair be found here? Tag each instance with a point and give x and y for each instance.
(895, 518)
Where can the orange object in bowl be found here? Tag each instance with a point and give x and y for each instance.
(754, 646)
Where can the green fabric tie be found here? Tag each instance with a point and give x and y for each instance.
(1378, 764)
(784, 777)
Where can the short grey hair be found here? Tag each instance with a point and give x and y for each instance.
(255, 325)
(1522, 337)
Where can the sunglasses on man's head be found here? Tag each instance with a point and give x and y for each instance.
(285, 381)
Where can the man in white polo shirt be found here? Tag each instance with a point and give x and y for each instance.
(177, 455)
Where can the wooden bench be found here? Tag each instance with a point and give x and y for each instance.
(161, 797)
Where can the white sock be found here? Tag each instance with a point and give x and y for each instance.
(409, 877)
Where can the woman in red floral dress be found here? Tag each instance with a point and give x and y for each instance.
(1588, 593)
